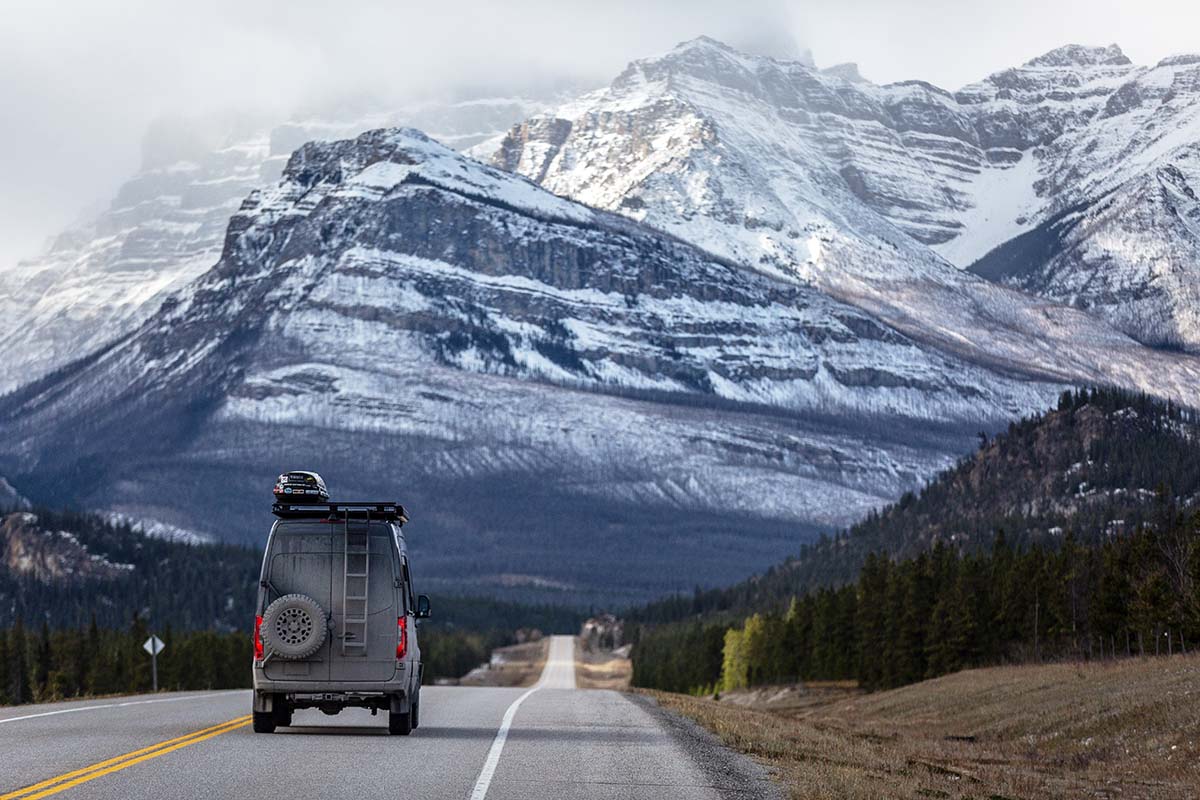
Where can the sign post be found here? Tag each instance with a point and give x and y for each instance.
(153, 646)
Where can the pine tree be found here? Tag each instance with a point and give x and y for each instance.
(4, 669)
(964, 626)
(940, 651)
(871, 624)
(43, 665)
(918, 605)
(18, 673)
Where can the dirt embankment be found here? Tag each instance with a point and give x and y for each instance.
(516, 665)
(603, 669)
(1124, 729)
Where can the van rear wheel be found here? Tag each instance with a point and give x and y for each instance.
(281, 711)
(264, 722)
(400, 724)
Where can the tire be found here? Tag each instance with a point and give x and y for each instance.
(400, 724)
(294, 627)
(282, 712)
(415, 711)
(264, 722)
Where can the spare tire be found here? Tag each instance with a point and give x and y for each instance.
(293, 627)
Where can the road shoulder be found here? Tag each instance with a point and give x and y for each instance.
(723, 766)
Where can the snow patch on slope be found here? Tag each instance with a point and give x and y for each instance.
(1006, 205)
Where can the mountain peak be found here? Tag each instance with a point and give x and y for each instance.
(377, 162)
(700, 43)
(1078, 55)
(782, 49)
(1180, 60)
(848, 72)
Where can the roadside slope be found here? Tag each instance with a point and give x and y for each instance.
(1114, 729)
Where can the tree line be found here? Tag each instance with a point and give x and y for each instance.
(45, 664)
(948, 609)
(77, 637)
(196, 586)
(1093, 464)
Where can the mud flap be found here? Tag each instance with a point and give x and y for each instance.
(264, 701)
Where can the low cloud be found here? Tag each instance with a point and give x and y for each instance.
(80, 81)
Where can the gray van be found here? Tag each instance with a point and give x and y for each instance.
(335, 622)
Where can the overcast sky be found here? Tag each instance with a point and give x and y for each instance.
(81, 80)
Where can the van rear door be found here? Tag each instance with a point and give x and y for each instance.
(376, 661)
(299, 562)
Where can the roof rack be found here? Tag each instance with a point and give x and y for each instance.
(373, 509)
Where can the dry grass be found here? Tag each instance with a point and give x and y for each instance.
(601, 669)
(516, 665)
(1129, 729)
(792, 699)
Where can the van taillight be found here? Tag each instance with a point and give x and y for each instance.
(258, 648)
(401, 637)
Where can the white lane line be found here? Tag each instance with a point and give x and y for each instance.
(484, 781)
(121, 705)
(559, 673)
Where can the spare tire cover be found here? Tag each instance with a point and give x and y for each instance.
(293, 627)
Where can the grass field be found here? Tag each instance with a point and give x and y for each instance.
(1124, 729)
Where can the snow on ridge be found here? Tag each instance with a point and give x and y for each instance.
(1081, 56)
(105, 276)
(727, 162)
(157, 529)
(448, 169)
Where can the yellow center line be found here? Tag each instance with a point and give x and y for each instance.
(117, 763)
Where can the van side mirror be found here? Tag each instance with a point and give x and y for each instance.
(423, 611)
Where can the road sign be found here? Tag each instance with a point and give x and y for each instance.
(153, 646)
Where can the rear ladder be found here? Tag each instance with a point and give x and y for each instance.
(356, 580)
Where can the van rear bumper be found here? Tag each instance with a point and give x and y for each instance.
(328, 687)
(329, 697)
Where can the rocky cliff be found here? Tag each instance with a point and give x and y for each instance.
(27, 550)
(867, 190)
(99, 280)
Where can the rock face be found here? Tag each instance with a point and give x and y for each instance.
(27, 550)
(551, 386)
(863, 190)
(165, 226)
(1113, 223)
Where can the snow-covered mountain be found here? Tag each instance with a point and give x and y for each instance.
(99, 280)
(867, 191)
(1113, 222)
(551, 385)
(731, 321)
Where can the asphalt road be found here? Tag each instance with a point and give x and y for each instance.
(550, 742)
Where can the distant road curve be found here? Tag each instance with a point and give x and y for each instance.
(547, 742)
